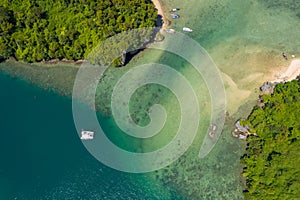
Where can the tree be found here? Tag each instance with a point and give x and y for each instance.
(272, 158)
(33, 30)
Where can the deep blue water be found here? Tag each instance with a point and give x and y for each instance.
(42, 156)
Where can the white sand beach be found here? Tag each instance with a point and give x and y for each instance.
(291, 73)
(161, 13)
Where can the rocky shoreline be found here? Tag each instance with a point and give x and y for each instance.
(57, 61)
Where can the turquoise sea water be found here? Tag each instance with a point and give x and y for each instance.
(43, 158)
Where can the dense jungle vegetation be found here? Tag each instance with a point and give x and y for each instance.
(35, 30)
(273, 157)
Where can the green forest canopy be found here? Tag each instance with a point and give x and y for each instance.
(273, 157)
(33, 30)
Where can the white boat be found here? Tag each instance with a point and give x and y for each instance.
(87, 135)
(171, 31)
(186, 29)
(174, 9)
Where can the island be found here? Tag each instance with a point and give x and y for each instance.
(33, 30)
(272, 158)
(45, 43)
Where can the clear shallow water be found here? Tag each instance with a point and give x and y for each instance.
(245, 39)
(217, 175)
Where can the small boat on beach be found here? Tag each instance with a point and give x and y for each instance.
(87, 135)
(186, 29)
(175, 16)
(171, 31)
(174, 9)
(212, 130)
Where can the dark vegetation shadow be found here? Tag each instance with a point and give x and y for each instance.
(159, 21)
